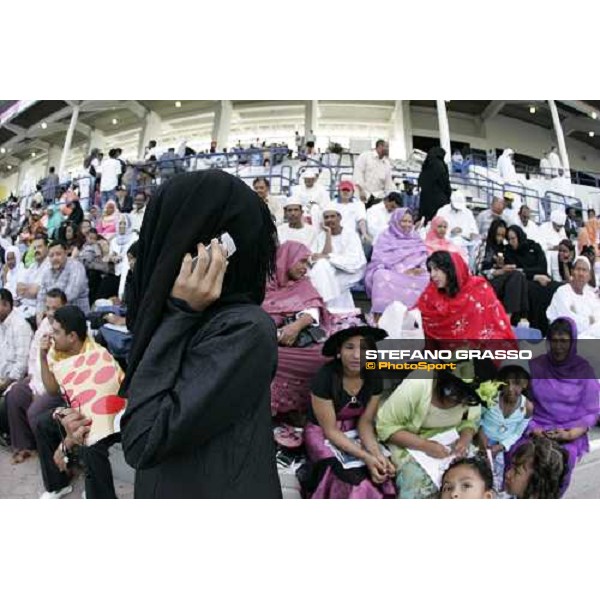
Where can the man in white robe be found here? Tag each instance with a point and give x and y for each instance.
(578, 301)
(295, 229)
(463, 230)
(532, 231)
(338, 261)
(378, 216)
(551, 234)
(311, 195)
(555, 163)
(506, 167)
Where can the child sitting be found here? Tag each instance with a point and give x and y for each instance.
(537, 470)
(505, 420)
(468, 479)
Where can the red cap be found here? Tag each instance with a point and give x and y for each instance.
(346, 185)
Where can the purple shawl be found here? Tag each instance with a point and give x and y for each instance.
(565, 394)
(397, 251)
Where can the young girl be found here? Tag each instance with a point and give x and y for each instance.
(468, 479)
(503, 423)
(537, 471)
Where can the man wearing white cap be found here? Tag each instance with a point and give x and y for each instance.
(338, 261)
(295, 229)
(311, 195)
(461, 221)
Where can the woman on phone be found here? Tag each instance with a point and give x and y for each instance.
(198, 421)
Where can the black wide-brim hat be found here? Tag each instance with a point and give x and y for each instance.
(334, 343)
(464, 388)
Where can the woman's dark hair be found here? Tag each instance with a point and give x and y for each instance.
(477, 464)
(549, 464)
(72, 320)
(490, 241)
(133, 250)
(568, 244)
(521, 235)
(443, 261)
(560, 325)
(337, 382)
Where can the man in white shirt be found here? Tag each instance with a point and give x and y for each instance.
(28, 288)
(312, 195)
(138, 212)
(111, 170)
(262, 187)
(15, 339)
(373, 174)
(378, 216)
(532, 231)
(554, 161)
(338, 262)
(295, 229)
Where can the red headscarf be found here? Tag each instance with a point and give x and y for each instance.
(286, 297)
(475, 313)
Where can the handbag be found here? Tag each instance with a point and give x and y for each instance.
(308, 336)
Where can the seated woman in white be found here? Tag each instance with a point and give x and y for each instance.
(578, 301)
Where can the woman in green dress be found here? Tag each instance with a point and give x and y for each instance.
(420, 408)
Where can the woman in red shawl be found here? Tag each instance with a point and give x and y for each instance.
(459, 306)
(294, 305)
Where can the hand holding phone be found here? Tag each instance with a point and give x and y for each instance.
(226, 241)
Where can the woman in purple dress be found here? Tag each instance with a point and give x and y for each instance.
(340, 428)
(565, 396)
(397, 268)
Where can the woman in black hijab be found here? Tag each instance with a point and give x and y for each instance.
(508, 282)
(434, 182)
(198, 420)
(528, 256)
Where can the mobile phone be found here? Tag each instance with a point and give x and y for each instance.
(228, 244)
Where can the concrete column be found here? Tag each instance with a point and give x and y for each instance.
(151, 130)
(444, 128)
(560, 138)
(398, 133)
(68, 140)
(222, 124)
(311, 117)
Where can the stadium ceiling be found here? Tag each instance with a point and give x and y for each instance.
(36, 125)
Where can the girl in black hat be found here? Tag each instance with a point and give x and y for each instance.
(344, 403)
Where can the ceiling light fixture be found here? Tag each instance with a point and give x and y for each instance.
(178, 103)
(44, 125)
(591, 134)
(9, 167)
(114, 121)
(532, 110)
(594, 115)
(2, 150)
(33, 155)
